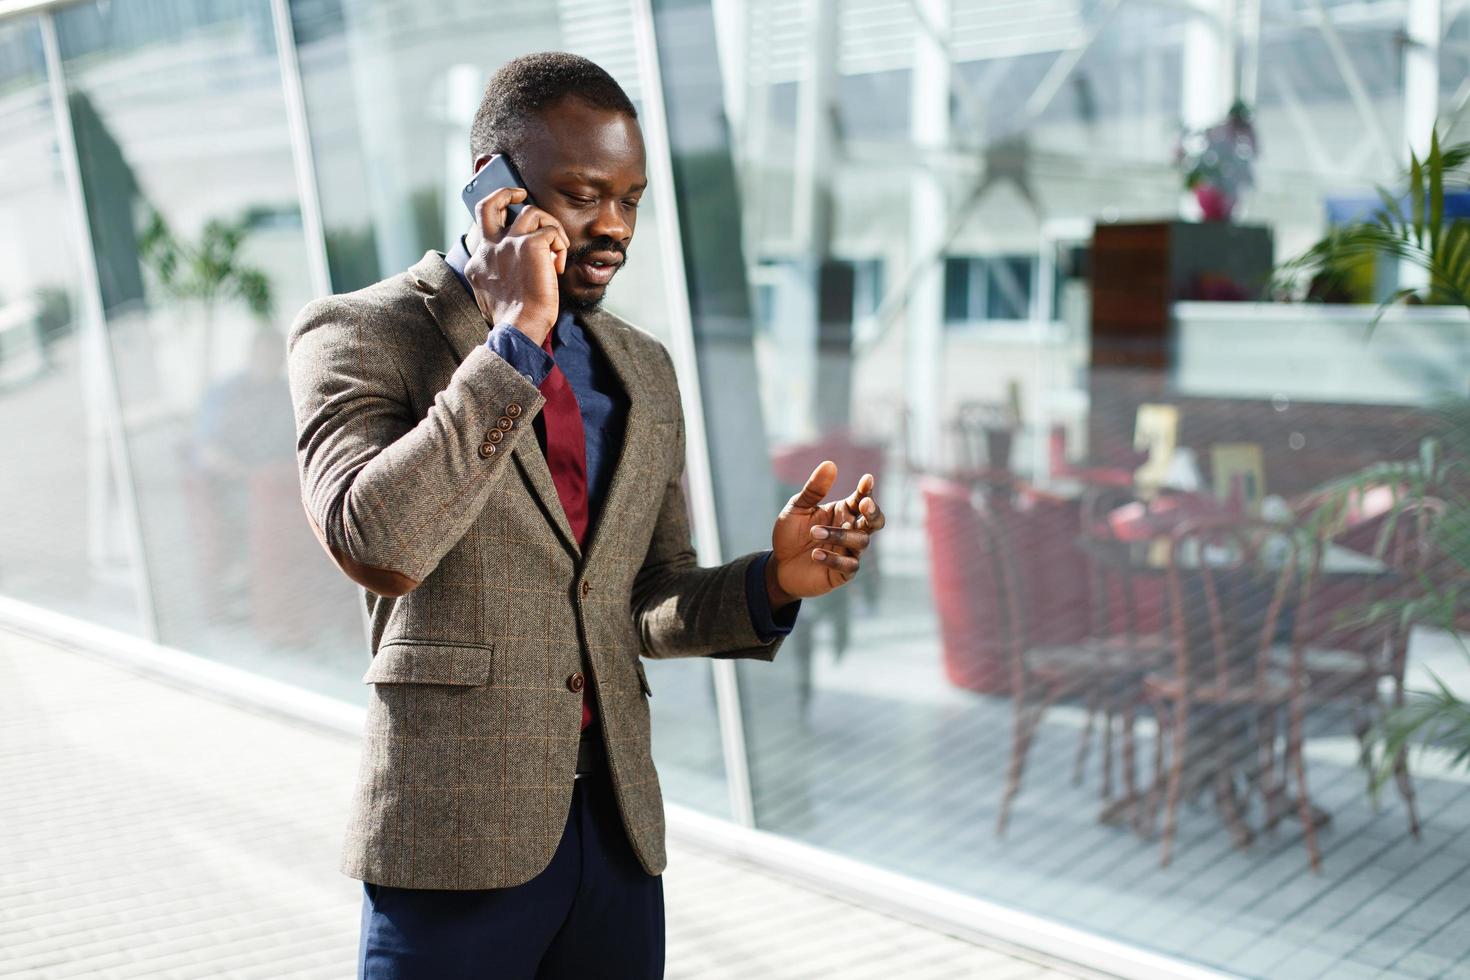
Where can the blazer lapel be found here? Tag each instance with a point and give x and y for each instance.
(450, 304)
(627, 481)
(462, 324)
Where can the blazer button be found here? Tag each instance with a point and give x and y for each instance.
(576, 682)
(586, 588)
(503, 424)
(495, 435)
(487, 449)
(513, 410)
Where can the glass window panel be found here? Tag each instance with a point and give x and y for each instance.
(191, 196)
(886, 728)
(1008, 287)
(64, 533)
(957, 286)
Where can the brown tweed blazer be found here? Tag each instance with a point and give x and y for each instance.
(423, 479)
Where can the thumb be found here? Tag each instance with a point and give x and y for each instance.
(818, 485)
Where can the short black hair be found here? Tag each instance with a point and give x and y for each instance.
(523, 86)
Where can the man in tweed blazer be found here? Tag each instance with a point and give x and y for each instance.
(424, 479)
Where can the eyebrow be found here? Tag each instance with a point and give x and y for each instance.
(599, 181)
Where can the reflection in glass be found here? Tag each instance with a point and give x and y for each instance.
(1064, 366)
(63, 527)
(187, 174)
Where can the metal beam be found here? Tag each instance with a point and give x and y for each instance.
(1301, 120)
(697, 457)
(1423, 29)
(301, 155)
(1062, 68)
(1357, 91)
(14, 8)
(929, 204)
(1248, 43)
(1208, 79)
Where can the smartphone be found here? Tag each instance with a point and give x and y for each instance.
(497, 172)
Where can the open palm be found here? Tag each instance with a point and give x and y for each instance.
(818, 546)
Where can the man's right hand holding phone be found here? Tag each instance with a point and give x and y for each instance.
(513, 271)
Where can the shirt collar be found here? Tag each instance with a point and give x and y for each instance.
(567, 331)
(457, 257)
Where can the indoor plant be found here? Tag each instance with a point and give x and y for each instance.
(206, 271)
(1413, 230)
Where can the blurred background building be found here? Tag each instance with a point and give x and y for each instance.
(1014, 257)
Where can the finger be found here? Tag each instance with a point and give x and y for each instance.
(838, 563)
(863, 489)
(493, 209)
(533, 219)
(853, 540)
(833, 515)
(818, 485)
(827, 543)
(556, 242)
(873, 518)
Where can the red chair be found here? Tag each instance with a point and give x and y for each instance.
(961, 581)
(986, 623)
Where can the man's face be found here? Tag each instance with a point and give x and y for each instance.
(585, 167)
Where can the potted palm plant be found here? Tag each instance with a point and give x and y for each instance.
(205, 272)
(1414, 231)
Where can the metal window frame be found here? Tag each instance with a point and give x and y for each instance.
(697, 458)
(94, 324)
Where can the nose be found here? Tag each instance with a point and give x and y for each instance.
(610, 222)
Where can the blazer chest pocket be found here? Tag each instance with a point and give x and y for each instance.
(431, 662)
(643, 678)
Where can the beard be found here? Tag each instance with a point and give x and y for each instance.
(585, 303)
(588, 300)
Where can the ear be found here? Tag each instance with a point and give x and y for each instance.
(479, 162)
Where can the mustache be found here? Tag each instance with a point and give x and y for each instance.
(580, 252)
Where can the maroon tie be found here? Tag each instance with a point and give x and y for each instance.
(566, 457)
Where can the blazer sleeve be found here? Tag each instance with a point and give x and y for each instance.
(388, 494)
(683, 609)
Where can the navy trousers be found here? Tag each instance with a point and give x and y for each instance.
(593, 912)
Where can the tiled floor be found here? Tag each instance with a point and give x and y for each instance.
(891, 765)
(151, 831)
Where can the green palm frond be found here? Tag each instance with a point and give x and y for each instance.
(208, 269)
(1418, 236)
(1437, 719)
(1421, 237)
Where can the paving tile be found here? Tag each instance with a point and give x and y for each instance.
(130, 851)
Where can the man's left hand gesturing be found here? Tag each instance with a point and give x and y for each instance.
(818, 546)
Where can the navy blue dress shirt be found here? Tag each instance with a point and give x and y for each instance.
(604, 407)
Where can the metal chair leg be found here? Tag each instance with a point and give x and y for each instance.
(1086, 739)
(1176, 778)
(1020, 744)
(1303, 802)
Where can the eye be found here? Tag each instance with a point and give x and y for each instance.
(632, 204)
(579, 201)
